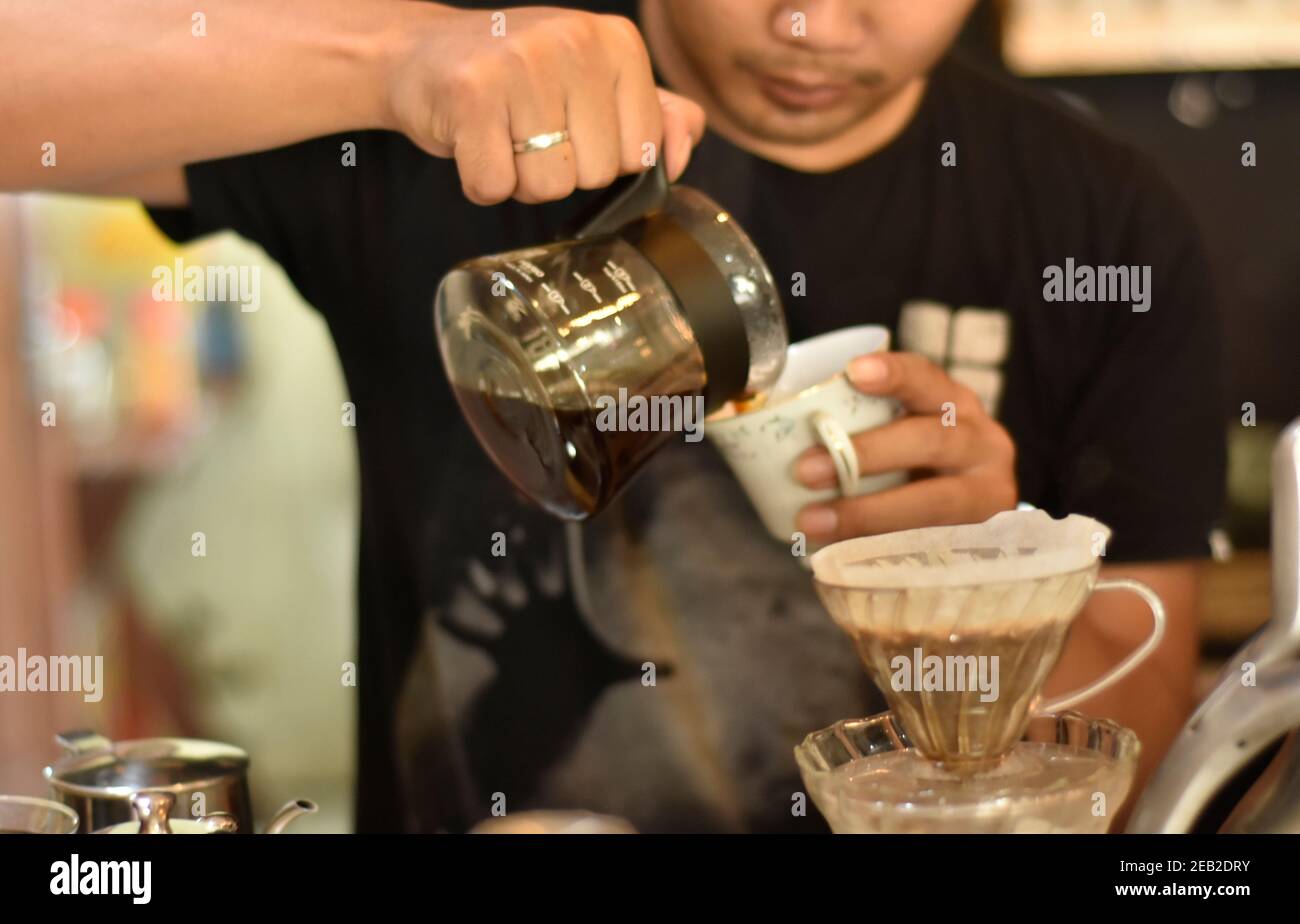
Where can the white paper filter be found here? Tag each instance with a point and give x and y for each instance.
(1010, 546)
(1020, 565)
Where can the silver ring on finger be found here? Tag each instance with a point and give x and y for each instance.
(541, 142)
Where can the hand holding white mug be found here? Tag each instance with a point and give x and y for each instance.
(811, 404)
(962, 460)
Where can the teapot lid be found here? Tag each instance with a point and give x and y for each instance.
(96, 767)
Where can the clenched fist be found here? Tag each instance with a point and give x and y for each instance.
(470, 85)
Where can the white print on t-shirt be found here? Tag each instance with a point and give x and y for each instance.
(971, 344)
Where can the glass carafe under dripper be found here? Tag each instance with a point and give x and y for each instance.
(574, 361)
(1070, 774)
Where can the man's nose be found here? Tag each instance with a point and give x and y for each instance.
(822, 25)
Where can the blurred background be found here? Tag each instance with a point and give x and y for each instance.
(177, 494)
(178, 479)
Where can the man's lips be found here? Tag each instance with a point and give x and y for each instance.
(792, 91)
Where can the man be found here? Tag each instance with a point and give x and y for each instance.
(661, 662)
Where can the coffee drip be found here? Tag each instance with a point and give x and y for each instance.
(960, 627)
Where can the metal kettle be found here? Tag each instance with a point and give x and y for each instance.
(1241, 718)
(130, 786)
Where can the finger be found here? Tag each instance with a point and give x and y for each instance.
(483, 153)
(640, 114)
(683, 130)
(942, 501)
(537, 107)
(921, 386)
(920, 441)
(594, 130)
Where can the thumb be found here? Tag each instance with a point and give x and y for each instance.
(683, 129)
(869, 373)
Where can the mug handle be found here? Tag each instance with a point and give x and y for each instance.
(840, 445)
(1125, 667)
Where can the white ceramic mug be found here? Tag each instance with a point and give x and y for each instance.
(812, 403)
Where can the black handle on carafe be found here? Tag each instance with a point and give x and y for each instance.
(700, 289)
(642, 195)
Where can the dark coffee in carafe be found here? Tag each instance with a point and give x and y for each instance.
(561, 455)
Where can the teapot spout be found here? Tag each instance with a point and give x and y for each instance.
(288, 813)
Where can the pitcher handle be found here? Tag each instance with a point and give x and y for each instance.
(1125, 667)
(639, 196)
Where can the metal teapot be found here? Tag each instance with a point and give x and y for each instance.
(122, 784)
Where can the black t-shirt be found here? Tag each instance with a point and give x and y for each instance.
(525, 681)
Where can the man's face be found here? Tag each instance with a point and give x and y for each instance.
(803, 73)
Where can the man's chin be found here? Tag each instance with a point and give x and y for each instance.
(806, 129)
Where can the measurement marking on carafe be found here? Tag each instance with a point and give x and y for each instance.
(526, 268)
(587, 286)
(540, 346)
(619, 276)
(556, 297)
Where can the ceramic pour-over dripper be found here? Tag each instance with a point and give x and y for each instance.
(960, 626)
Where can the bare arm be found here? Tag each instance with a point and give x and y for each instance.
(1157, 698)
(165, 186)
(129, 91)
(130, 87)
